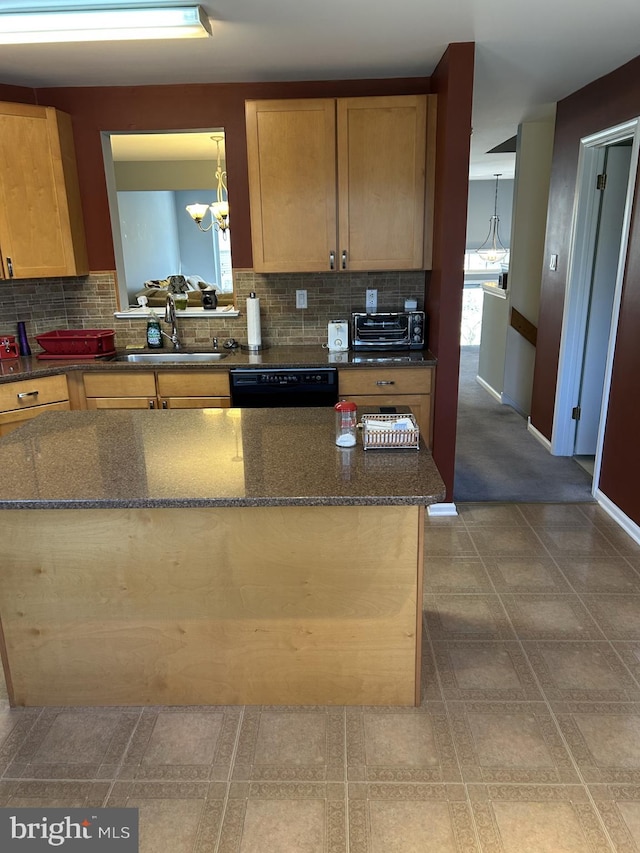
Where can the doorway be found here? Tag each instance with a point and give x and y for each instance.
(606, 180)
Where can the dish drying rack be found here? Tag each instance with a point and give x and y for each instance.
(376, 436)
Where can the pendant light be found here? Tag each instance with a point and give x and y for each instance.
(492, 249)
(220, 207)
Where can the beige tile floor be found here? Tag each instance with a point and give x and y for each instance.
(527, 739)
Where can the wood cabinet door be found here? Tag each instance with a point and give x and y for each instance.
(195, 403)
(381, 182)
(28, 393)
(197, 383)
(94, 403)
(41, 226)
(120, 384)
(386, 380)
(292, 184)
(11, 420)
(420, 405)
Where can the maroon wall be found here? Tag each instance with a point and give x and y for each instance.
(180, 107)
(453, 83)
(17, 94)
(604, 103)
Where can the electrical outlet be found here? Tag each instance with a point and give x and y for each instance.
(372, 301)
(301, 298)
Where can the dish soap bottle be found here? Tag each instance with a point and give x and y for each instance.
(154, 332)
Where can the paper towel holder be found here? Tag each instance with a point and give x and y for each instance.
(253, 348)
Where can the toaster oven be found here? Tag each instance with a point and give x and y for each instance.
(393, 331)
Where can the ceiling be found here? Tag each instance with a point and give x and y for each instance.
(528, 55)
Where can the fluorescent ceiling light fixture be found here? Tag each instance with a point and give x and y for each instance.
(104, 25)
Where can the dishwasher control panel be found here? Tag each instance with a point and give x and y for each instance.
(289, 386)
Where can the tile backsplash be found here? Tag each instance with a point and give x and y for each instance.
(90, 302)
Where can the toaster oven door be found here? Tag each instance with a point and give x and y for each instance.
(380, 331)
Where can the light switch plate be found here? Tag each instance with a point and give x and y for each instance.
(301, 298)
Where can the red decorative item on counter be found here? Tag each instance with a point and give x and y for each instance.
(78, 343)
(8, 347)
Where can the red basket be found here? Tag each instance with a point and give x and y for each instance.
(77, 342)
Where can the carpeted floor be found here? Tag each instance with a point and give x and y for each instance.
(497, 459)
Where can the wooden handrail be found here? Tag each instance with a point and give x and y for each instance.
(525, 327)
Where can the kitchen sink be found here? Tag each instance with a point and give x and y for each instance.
(171, 357)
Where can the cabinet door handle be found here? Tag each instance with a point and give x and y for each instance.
(332, 260)
(10, 267)
(385, 382)
(152, 404)
(165, 405)
(344, 259)
(25, 394)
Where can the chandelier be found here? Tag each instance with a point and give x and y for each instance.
(220, 207)
(492, 249)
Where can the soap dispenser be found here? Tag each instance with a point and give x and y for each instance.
(154, 330)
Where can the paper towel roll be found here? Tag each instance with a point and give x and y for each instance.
(254, 335)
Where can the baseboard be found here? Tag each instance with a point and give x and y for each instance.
(544, 441)
(506, 400)
(495, 394)
(501, 397)
(618, 516)
(442, 509)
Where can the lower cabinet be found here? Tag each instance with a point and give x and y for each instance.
(200, 389)
(392, 386)
(120, 390)
(20, 401)
(165, 389)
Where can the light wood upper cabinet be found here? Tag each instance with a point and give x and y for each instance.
(291, 147)
(342, 184)
(41, 225)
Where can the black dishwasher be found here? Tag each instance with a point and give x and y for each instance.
(258, 387)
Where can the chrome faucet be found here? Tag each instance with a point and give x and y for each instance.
(170, 317)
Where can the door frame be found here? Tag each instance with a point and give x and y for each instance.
(581, 256)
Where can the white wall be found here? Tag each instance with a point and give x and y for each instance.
(149, 240)
(494, 310)
(506, 359)
(531, 195)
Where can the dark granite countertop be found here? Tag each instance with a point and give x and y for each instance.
(204, 457)
(277, 356)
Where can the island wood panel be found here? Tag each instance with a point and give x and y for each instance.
(249, 605)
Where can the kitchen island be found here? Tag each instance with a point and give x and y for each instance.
(216, 556)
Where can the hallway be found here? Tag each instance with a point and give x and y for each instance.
(498, 459)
